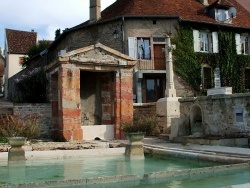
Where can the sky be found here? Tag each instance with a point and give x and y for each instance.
(43, 16)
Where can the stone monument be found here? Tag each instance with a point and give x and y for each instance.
(169, 107)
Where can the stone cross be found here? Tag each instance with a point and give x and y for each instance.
(170, 89)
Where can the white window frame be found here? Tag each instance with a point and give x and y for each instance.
(134, 50)
(242, 44)
(205, 41)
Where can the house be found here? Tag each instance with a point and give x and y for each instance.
(2, 60)
(209, 34)
(17, 44)
(135, 28)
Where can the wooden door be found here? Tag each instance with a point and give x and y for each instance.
(159, 57)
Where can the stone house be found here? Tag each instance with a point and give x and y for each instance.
(17, 44)
(91, 53)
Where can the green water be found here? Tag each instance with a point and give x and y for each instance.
(68, 169)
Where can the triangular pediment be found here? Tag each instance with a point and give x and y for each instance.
(98, 54)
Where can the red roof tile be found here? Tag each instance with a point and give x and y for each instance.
(189, 10)
(245, 4)
(20, 41)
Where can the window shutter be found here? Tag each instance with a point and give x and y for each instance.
(238, 43)
(215, 42)
(132, 47)
(196, 40)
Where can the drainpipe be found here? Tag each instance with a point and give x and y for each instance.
(123, 36)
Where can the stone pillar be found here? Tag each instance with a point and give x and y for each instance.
(69, 103)
(123, 99)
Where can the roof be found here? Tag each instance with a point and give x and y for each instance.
(19, 42)
(245, 4)
(186, 10)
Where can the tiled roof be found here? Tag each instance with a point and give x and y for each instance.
(245, 4)
(20, 41)
(187, 10)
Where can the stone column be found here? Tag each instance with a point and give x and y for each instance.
(69, 103)
(123, 99)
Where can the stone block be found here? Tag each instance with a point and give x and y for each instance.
(219, 91)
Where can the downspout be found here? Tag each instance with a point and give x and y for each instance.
(123, 36)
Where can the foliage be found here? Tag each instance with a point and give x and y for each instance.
(36, 49)
(57, 33)
(3, 140)
(188, 63)
(142, 124)
(33, 86)
(19, 126)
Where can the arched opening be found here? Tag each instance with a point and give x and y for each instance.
(196, 121)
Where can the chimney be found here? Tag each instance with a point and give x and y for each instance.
(95, 10)
(204, 2)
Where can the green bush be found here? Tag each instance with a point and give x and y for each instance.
(148, 125)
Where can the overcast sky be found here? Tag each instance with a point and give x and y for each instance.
(44, 16)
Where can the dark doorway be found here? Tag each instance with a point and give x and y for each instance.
(154, 89)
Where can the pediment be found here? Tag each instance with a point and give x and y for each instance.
(98, 54)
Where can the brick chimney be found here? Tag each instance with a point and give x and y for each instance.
(95, 10)
(204, 2)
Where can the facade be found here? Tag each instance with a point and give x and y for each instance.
(136, 29)
(17, 44)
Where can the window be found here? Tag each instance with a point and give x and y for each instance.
(222, 15)
(139, 48)
(247, 78)
(205, 41)
(21, 60)
(242, 43)
(143, 48)
(239, 115)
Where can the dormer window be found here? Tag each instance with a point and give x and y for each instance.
(222, 15)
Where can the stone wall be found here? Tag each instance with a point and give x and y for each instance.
(220, 115)
(42, 110)
(144, 109)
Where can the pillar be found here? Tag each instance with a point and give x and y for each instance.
(69, 103)
(123, 99)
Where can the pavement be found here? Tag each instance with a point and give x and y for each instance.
(230, 151)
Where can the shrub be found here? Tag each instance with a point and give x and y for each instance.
(17, 125)
(148, 125)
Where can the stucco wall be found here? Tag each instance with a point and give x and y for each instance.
(218, 115)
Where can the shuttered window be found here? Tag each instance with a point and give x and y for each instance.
(242, 43)
(205, 41)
